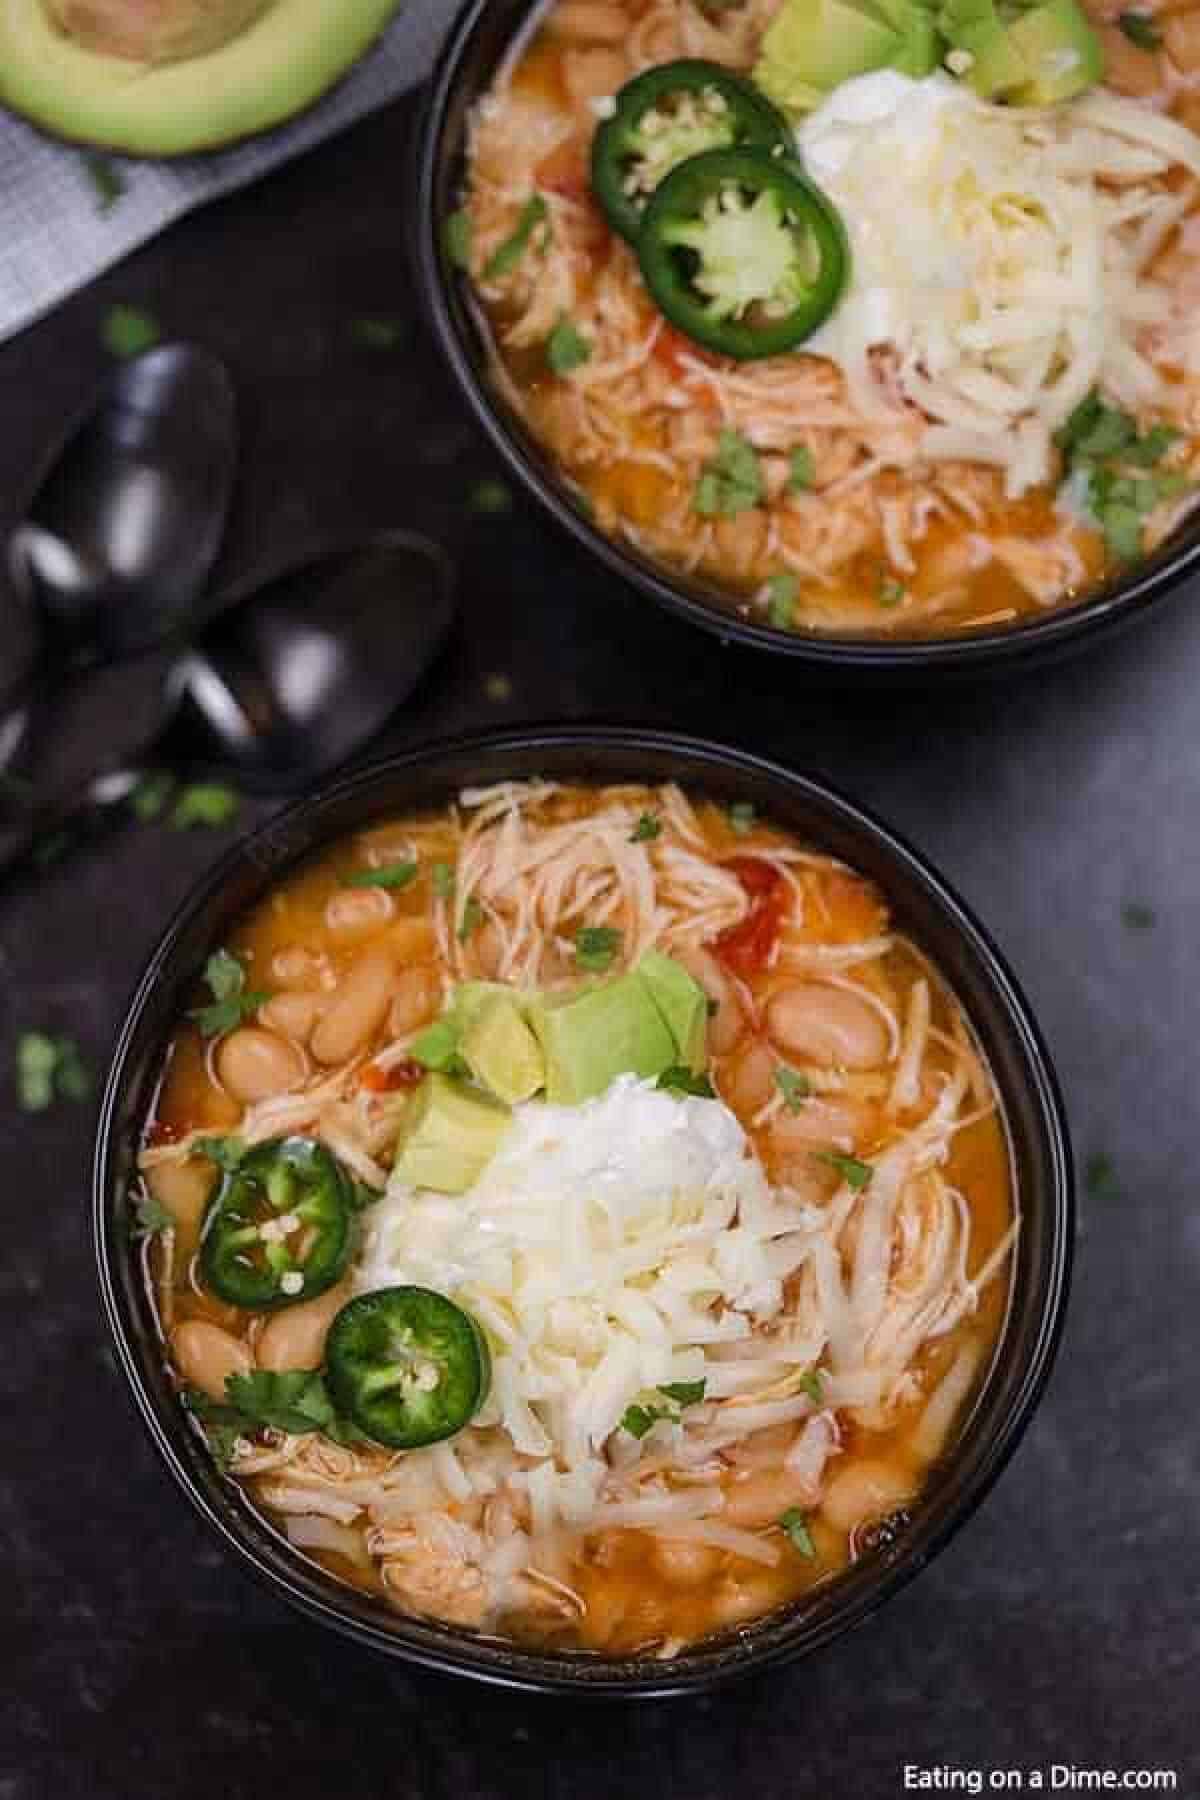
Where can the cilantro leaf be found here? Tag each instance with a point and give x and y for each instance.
(388, 875)
(684, 1393)
(1100, 1173)
(437, 1047)
(503, 261)
(890, 592)
(637, 1420)
(794, 1524)
(794, 1087)
(49, 1068)
(857, 1175)
(679, 1080)
(1151, 447)
(231, 1001)
(208, 803)
(782, 591)
(226, 1152)
(293, 1400)
(812, 1383)
(731, 480)
(108, 181)
(472, 919)
(458, 236)
(596, 946)
(125, 331)
(802, 470)
(1140, 29)
(150, 1217)
(649, 826)
(566, 347)
(377, 333)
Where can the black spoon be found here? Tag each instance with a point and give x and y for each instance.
(119, 540)
(292, 675)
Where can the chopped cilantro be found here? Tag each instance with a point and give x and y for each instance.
(731, 480)
(1100, 1173)
(742, 817)
(295, 1401)
(782, 591)
(679, 1080)
(226, 1152)
(437, 1047)
(208, 803)
(378, 333)
(649, 826)
(108, 182)
(441, 877)
(1140, 29)
(1101, 444)
(1151, 447)
(857, 1175)
(684, 1393)
(388, 875)
(231, 1002)
(49, 1068)
(794, 1524)
(125, 331)
(490, 497)
(596, 947)
(1137, 917)
(151, 794)
(812, 1383)
(795, 1088)
(637, 1420)
(472, 919)
(458, 235)
(503, 261)
(566, 347)
(890, 592)
(150, 1217)
(802, 470)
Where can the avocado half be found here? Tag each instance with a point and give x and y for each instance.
(278, 65)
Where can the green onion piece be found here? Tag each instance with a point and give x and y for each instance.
(803, 469)
(566, 347)
(731, 481)
(207, 803)
(794, 1523)
(648, 827)
(857, 1175)
(794, 1087)
(388, 875)
(742, 817)
(504, 260)
(441, 877)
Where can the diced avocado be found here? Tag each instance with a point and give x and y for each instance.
(682, 1003)
(1060, 50)
(1030, 56)
(169, 79)
(448, 1135)
(812, 46)
(470, 996)
(501, 1051)
(920, 43)
(590, 1038)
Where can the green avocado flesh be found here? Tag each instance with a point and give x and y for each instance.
(683, 1005)
(501, 1051)
(448, 1135)
(1031, 56)
(812, 46)
(589, 1039)
(282, 61)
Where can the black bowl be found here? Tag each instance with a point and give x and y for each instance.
(923, 906)
(482, 35)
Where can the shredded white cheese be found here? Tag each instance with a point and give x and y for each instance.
(1000, 253)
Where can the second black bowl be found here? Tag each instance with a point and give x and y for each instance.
(922, 906)
(483, 34)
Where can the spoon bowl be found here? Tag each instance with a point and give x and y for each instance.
(124, 527)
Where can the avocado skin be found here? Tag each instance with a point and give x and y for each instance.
(277, 67)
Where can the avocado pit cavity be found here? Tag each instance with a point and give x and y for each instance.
(153, 31)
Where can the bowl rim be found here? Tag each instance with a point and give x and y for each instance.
(1116, 604)
(271, 852)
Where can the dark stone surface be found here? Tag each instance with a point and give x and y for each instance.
(1064, 1624)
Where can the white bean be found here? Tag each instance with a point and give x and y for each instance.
(748, 1079)
(829, 1121)
(865, 1490)
(296, 967)
(294, 1337)
(254, 1064)
(204, 1354)
(827, 1026)
(356, 912)
(415, 1000)
(294, 1014)
(357, 1008)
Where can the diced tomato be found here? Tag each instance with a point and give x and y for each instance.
(404, 1074)
(564, 171)
(162, 1133)
(748, 947)
(671, 346)
(760, 879)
